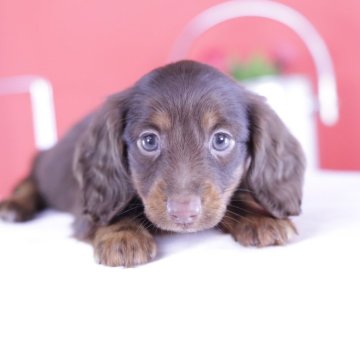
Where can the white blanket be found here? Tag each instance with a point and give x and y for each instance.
(204, 297)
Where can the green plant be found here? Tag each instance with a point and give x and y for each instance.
(256, 66)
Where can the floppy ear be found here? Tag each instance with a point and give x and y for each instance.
(277, 166)
(100, 164)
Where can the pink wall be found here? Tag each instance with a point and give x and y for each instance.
(90, 48)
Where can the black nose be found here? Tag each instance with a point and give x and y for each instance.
(184, 210)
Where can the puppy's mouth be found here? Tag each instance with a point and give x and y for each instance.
(178, 228)
(165, 221)
(186, 212)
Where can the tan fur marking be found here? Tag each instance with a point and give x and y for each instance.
(209, 120)
(214, 204)
(162, 121)
(213, 208)
(23, 203)
(155, 203)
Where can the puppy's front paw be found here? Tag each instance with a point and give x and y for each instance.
(262, 231)
(124, 247)
(14, 211)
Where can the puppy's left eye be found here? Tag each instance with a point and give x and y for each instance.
(149, 142)
(221, 141)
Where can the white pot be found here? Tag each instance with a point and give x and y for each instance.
(293, 100)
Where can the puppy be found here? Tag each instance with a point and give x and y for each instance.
(183, 150)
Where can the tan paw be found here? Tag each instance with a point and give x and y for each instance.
(262, 231)
(123, 247)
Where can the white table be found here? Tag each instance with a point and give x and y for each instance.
(204, 297)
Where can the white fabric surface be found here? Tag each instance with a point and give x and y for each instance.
(204, 297)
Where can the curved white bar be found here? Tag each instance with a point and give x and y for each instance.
(327, 93)
(42, 106)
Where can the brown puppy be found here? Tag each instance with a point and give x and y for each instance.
(185, 149)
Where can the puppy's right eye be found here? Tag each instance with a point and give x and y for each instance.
(149, 142)
(221, 142)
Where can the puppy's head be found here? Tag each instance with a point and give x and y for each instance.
(183, 139)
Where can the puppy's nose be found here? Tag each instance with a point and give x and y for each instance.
(184, 209)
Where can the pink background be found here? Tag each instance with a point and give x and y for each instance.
(88, 49)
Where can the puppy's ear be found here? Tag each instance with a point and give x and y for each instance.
(276, 171)
(100, 164)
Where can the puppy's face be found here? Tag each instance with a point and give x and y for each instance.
(183, 139)
(186, 133)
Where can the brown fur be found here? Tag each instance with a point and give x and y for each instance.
(252, 230)
(24, 202)
(125, 243)
(120, 191)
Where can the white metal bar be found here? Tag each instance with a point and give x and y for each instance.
(327, 89)
(42, 106)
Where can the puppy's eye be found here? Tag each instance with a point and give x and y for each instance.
(149, 142)
(221, 141)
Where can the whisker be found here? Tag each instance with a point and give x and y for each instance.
(247, 211)
(141, 226)
(235, 214)
(149, 225)
(135, 218)
(225, 225)
(130, 209)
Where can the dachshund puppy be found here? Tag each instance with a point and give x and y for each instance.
(183, 150)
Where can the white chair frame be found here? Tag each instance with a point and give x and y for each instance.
(327, 98)
(42, 106)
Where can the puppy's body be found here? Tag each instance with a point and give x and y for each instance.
(185, 149)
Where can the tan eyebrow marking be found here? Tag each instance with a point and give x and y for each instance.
(209, 120)
(161, 120)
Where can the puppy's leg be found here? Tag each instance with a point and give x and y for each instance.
(127, 243)
(23, 203)
(251, 225)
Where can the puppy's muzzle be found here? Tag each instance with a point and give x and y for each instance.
(184, 210)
